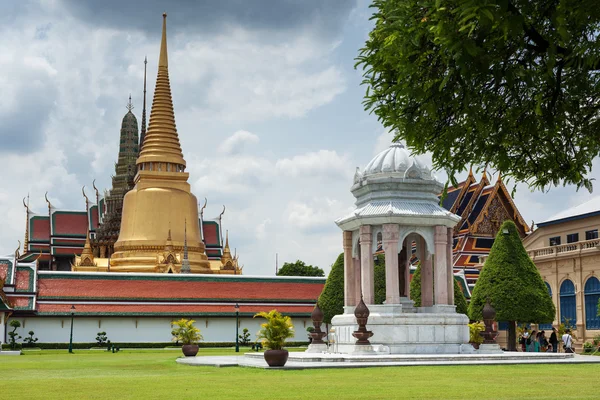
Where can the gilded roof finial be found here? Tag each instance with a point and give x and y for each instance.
(87, 256)
(220, 221)
(163, 60)
(49, 204)
(185, 264)
(143, 130)
(129, 105)
(26, 242)
(87, 201)
(97, 193)
(17, 253)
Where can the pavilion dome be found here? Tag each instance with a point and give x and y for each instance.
(395, 161)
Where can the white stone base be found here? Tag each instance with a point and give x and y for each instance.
(10, 353)
(489, 349)
(440, 332)
(316, 348)
(363, 350)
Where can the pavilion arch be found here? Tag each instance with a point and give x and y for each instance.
(567, 297)
(591, 293)
(425, 232)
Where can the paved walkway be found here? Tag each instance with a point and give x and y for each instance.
(310, 361)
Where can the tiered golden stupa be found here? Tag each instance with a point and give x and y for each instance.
(156, 210)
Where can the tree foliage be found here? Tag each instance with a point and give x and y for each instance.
(185, 332)
(415, 286)
(331, 300)
(512, 283)
(460, 301)
(379, 279)
(512, 84)
(299, 268)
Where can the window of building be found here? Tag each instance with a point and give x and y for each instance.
(555, 241)
(573, 237)
(591, 235)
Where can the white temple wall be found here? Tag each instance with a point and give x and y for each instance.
(142, 329)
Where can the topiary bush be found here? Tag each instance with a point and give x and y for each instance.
(331, 300)
(512, 283)
(379, 279)
(415, 286)
(460, 301)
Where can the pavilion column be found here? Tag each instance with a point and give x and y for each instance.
(366, 264)
(426, 274)
(441, 265)
(349, 278)
(391, 234)
(357, 279)
(450, 267)
(407, 253)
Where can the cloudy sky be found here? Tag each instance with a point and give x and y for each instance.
(267, 103)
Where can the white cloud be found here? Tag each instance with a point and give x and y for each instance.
(316, 214)
(236, 142)
(326, 163)
(261, 229)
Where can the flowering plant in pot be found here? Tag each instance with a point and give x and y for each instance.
(188, 335)
(273, 333)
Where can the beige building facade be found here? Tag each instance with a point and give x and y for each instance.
(566, 250)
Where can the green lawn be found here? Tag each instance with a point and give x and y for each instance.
(150, 374)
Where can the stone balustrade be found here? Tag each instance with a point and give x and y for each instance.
(565, 250)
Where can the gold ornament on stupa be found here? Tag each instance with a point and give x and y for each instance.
(161, 202)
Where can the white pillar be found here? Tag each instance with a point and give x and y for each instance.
(390, 246)
(357, 279)
(407, 254)
(426, 274)
(441, 265)
(366, 263)
(449, 259)
(2, 326)
(349, 278)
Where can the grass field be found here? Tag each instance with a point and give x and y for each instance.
(153, 374)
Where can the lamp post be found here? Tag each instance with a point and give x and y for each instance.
(71, 337)
(237, 316)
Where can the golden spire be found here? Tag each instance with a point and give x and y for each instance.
(161, 143)
(87, 256)
(226, 251)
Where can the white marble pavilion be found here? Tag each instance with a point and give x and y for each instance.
(396, 205)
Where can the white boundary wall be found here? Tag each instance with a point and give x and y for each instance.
(142, 329)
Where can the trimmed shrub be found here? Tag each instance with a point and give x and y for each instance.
(331, 300)
(512, 283)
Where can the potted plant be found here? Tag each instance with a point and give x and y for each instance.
(273, 333)
(474, 337)
(188, 335)
(310, 330)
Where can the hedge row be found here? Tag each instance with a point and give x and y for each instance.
(155, 345)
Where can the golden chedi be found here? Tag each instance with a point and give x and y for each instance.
(156, 210)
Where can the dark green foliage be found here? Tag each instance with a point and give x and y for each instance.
(415, 287)
(379, 279)
(30, 340)
(512, 283)
(299, 268)
(244, 338)
(14, 336)
(459, 299)
(511, 84)
(101, 339)
(331, 300)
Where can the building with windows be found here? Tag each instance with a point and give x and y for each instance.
(566, 250)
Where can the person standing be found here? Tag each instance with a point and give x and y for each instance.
(554, 340)
(567, 340)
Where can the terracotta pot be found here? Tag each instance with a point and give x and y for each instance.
(475, 345)
(189, 350)
(276, 358)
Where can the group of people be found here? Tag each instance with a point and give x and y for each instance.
(535, 341)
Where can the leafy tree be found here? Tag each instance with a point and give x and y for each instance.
(415, 292)
(244, 338)
(513, 285)
(512, 84)
(14, 336)
(299, 268)
(331, 300)
(30, 340)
